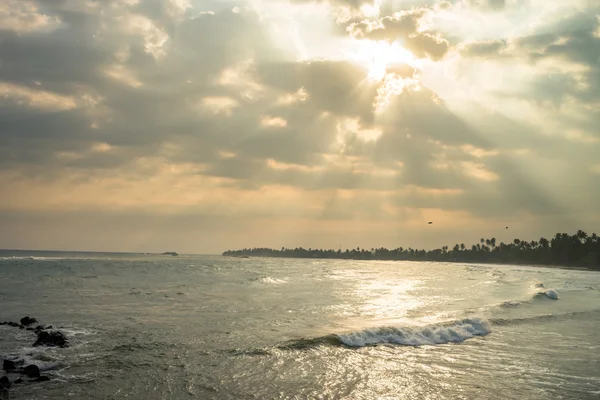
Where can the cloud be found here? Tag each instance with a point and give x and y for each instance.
(485, 49)
(25, 16)
(404, 26)
(169, 115)
(493, 5)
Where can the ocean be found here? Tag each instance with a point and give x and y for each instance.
(213, 327)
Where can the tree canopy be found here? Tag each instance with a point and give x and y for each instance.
(579, 249)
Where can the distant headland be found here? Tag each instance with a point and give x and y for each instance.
(579, 249)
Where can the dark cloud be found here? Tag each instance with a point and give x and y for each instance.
(491, 49)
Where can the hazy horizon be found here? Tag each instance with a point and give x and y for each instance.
(201, 126)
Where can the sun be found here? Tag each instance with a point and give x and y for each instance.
(378, 57)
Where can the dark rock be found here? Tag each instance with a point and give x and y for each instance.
(46, 338)
(31, 371)
(10, 323)
(39, 328)
(9, 365)
(18, 380)
(3, 323)
(28, 321)
(42, 379)
(4, 382)
(48, 327)
(21, 326)
(29, 328)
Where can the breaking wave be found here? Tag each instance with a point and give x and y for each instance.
(549, 293)
(452, 332)
(269, 280)
(447, 332)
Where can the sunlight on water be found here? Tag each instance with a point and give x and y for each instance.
(387, 299)
(143, 327)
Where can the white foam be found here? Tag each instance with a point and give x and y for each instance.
(272, 281)
(548, 292)
(551, 293)
(451, 332)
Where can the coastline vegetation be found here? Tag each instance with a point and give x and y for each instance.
(579, 249)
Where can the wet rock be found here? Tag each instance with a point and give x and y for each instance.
(21, 326)
(42, 378)
(18, 380)
(9, 365)
(10, 323)
(4, 382)
(28, 321)
(48, 327)
(32, 371)
(3, 323)
(46, 338)
(29, 328)
(39, 328)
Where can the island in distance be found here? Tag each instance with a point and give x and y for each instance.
(170, 253)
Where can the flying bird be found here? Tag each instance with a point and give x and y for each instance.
(429, 223)
(506, 227)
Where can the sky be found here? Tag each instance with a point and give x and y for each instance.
(199, 126)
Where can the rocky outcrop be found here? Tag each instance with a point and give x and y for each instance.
(28, 321)
(13, 366)
(8, 365)
(32, 371)
(54, 338)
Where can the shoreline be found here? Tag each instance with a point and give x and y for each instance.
(487, 263)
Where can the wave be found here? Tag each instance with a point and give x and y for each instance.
(451, 332)
(549, 293)
(442, 333)
(544, 317)
(269, 280)
(510, 304)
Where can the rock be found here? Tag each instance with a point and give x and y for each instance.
(9, 365)
(18, 380)
(32, 371)
(48, 327)
(28, 321)
(10, 323)
(4, 382)
(21, 326)
(46, 338)
(39, 328)
(42, 379)
(29, 328)
(3, 323)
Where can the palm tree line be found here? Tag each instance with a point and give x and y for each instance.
(579, 249)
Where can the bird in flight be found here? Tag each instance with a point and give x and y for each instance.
(429, 223)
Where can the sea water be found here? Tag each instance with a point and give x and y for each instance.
(212, 327)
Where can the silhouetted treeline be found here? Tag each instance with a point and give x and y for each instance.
(579, 249)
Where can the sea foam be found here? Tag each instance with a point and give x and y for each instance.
(547, 292)
(448, 332)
